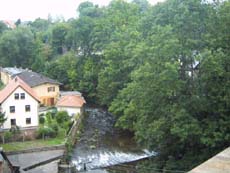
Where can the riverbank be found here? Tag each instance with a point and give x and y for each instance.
(101, 145)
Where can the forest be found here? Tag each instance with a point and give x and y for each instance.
(162, 70)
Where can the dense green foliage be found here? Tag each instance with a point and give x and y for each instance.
(2, 118)
(163, 70)
(54, 124)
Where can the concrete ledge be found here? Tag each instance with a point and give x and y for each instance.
(41, 163)
(217, 164)
(64, 168)
(55, 147)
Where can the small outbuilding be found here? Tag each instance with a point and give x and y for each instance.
(71, 103)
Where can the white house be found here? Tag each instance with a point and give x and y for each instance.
(71, 102)
(46, 89)
(20, 104)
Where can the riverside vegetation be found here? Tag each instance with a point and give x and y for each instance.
(52, 131)
(163, 70)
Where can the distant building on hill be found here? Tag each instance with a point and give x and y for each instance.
(10, 24)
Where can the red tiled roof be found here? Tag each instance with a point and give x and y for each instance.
(9, 24)
(71, 101)
(12, 86)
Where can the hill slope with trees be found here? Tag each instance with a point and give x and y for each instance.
(163, 70)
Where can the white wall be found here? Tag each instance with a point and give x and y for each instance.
(70, 110)
(20, 114)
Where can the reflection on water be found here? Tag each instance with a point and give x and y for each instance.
(101, 145)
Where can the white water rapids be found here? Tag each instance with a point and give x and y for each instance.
(102, 159)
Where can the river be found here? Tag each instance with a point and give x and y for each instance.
(101, 146)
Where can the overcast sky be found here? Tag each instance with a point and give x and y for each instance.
(32, 9)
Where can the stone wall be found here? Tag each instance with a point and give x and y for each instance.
(73, 131)
(21, 135)
(64, 166)
(55, 147)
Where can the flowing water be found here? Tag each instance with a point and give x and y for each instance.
(102, 146)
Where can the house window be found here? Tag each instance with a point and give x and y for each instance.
(27, 108)
(22, 96)
(16, 96)
(13, 122)
(12, 109)
(28, 120)
(51, 89)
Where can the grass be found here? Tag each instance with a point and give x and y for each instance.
(17, 146)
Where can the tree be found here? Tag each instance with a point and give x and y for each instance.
(17, 48)
(88, 9)
(2, 118)
(18, 22)
(39, 25)
(82, 35)
(162, 70)
(172, 104)
(89, 79)
(59, 33)
(62, 117)
(143, 5)
(121, 19)
(2, 121)
(3, 27)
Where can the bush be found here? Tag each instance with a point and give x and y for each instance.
(49, 117)
(15, 130)
(41, 120)
(69, 149)
(54, 127)
(53, 112)
(8, 136)
(62, 117)
(44, 132)
(61, 133)
(41, 115)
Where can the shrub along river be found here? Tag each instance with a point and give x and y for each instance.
(102, 146)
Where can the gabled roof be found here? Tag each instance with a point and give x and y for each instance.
(71, 101)
(12, 86)
(34, 79)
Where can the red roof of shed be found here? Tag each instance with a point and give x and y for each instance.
(71, 101)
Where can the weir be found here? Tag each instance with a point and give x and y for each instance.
(103, 159)
(102, 146)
